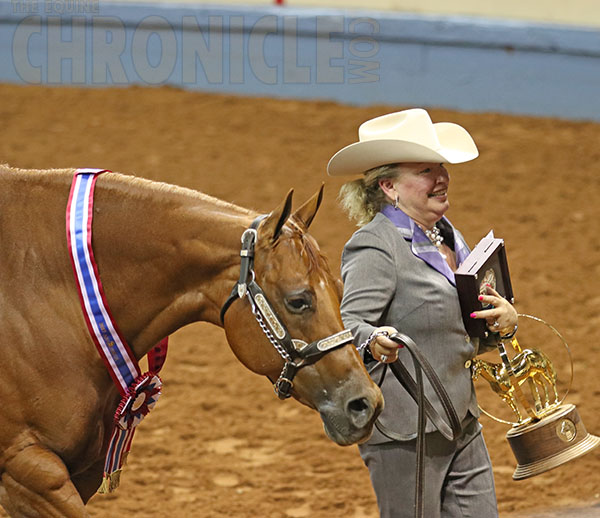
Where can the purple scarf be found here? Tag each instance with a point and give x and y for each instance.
(422, 247)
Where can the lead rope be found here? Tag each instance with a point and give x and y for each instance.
(425, 409)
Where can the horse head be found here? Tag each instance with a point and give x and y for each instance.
(305, 297)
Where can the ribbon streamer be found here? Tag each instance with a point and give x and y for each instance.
(139, 391)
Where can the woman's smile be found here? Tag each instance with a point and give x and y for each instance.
(439, 194)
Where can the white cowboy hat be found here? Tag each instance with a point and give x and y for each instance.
(406, 136)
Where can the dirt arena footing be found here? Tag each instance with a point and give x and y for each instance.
(219, 443)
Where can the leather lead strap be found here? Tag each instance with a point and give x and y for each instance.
(415, 388)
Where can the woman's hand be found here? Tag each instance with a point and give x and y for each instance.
(502, 317)
(382, 348)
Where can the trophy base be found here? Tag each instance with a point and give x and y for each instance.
(553, 440)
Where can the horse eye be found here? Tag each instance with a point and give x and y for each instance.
(298, 303)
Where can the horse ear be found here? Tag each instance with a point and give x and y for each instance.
(274, 222)
(306, 213)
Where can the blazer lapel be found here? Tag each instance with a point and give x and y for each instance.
(422, 247)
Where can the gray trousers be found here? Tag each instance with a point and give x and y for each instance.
(459, 482)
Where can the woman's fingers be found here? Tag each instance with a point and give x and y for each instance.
(500, 316)
(492, 291)
(491, 300)
(385, 350)
(388, 345)
(492, 317)
(488, 314)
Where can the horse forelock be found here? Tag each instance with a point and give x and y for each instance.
(317, 262)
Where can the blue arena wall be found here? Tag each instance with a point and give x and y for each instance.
(356, 57)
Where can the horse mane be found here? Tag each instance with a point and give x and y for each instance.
(135, 186)
(143, 187)
(21, 170)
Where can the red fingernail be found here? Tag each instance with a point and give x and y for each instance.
(480, 297)
(472, 315)
(489, 285)
(400, 346)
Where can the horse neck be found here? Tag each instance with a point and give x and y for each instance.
(167, 256)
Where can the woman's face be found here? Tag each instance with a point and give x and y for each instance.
(421, 190)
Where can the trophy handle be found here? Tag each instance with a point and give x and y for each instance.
(564, 342)
(492, 416)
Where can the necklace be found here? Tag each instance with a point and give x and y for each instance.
(435, 237)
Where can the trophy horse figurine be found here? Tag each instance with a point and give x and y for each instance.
(547, 433)
(531, 366)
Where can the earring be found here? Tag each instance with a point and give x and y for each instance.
(396, 200)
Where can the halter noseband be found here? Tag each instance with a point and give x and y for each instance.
(295, 353)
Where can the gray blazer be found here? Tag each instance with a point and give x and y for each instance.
(386, 284)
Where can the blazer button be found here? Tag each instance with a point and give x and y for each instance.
(468, 364)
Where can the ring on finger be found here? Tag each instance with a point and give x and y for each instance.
(496, 324)
(383, 358)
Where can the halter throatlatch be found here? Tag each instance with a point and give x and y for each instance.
(295, 353)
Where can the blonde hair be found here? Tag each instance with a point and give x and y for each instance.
(362, 199)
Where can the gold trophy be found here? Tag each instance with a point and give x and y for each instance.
(547, 432)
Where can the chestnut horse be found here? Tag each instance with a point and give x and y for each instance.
(167, 256)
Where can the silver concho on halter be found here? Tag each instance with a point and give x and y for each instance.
(546, 433)
(331, 342)
(326, 344)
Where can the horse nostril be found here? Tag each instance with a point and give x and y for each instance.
(358, 405)
(360, 411)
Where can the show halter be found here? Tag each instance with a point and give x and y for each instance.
(139, 391)
(295, 353)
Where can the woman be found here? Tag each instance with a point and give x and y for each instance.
(398, 275)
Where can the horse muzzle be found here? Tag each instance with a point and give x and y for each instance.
(349, 417)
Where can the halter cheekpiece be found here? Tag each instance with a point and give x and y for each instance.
(295, 353)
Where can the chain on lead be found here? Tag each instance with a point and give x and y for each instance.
(257, 314)
(371, 338)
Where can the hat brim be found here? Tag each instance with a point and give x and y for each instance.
(457, 147)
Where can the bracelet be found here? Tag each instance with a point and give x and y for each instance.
(511, 334)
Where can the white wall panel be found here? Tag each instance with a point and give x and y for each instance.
(361, 57)
(574, 12)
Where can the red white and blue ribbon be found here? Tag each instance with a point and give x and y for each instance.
(139, 391)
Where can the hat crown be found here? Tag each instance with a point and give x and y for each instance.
(413, 125)
(406, 136)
